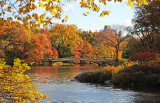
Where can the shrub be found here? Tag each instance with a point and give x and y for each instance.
(146, 56)
(136, 79)
(113, 69)
(120, 62)
(140, 74)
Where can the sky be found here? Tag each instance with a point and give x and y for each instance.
(121, 14)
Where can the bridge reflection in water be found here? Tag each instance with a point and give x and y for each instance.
(100, 62)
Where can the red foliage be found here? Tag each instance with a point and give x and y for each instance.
(40, 48)
(76, 52)
(154, 64)
(35, 52)
(45, 31)
(146, 56)
(55, 53)
(87, 50)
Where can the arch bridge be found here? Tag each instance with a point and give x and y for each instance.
(100, 62)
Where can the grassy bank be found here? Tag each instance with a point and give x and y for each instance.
(126, 74)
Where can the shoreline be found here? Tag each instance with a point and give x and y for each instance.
(106, 78)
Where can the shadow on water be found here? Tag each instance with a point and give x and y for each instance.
(58, 83)
(140, 89)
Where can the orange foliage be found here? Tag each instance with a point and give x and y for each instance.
(13, 38)
(76, 52)
(119, 55)
(13, 43)
(113, 69)
(111, 41)
(46, 32)
(55, 54)
(116, 69)
(87, 50)
(39, 48)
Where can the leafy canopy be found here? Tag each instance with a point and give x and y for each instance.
(22, 11)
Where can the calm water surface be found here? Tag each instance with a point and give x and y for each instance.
(57, 83)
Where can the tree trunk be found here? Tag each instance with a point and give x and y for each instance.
(116, 55)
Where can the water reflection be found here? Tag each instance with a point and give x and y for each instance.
(56, 82)
(57, 74)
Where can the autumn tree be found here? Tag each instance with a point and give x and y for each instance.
(39, 48)
(65, 39)
(147, 25)
(87, 50)
(133, 46)
(88, 36)
(45, 41)
(114, 38)
(13, 41)
(77, 52)
(105, 51)
(55, 54)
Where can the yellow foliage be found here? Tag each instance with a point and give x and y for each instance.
(41, 5)
(130, 4)
(66, 18)
(54, 12)
(15, 86)
(28, 26)
(104, 13)
(47, 1)
(39, 20)
(113, 69)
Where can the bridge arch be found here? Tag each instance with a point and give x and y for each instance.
(98, 61)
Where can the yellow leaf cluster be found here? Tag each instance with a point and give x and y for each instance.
(141, 2)
(47, 1)
(15, 86)
(65, 19)
(104, 13)
(41, 5)
(90, 5)
(85, 14)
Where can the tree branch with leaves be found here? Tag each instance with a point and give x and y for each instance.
(15, 12)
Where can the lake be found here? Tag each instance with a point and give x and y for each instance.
(58, 83)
